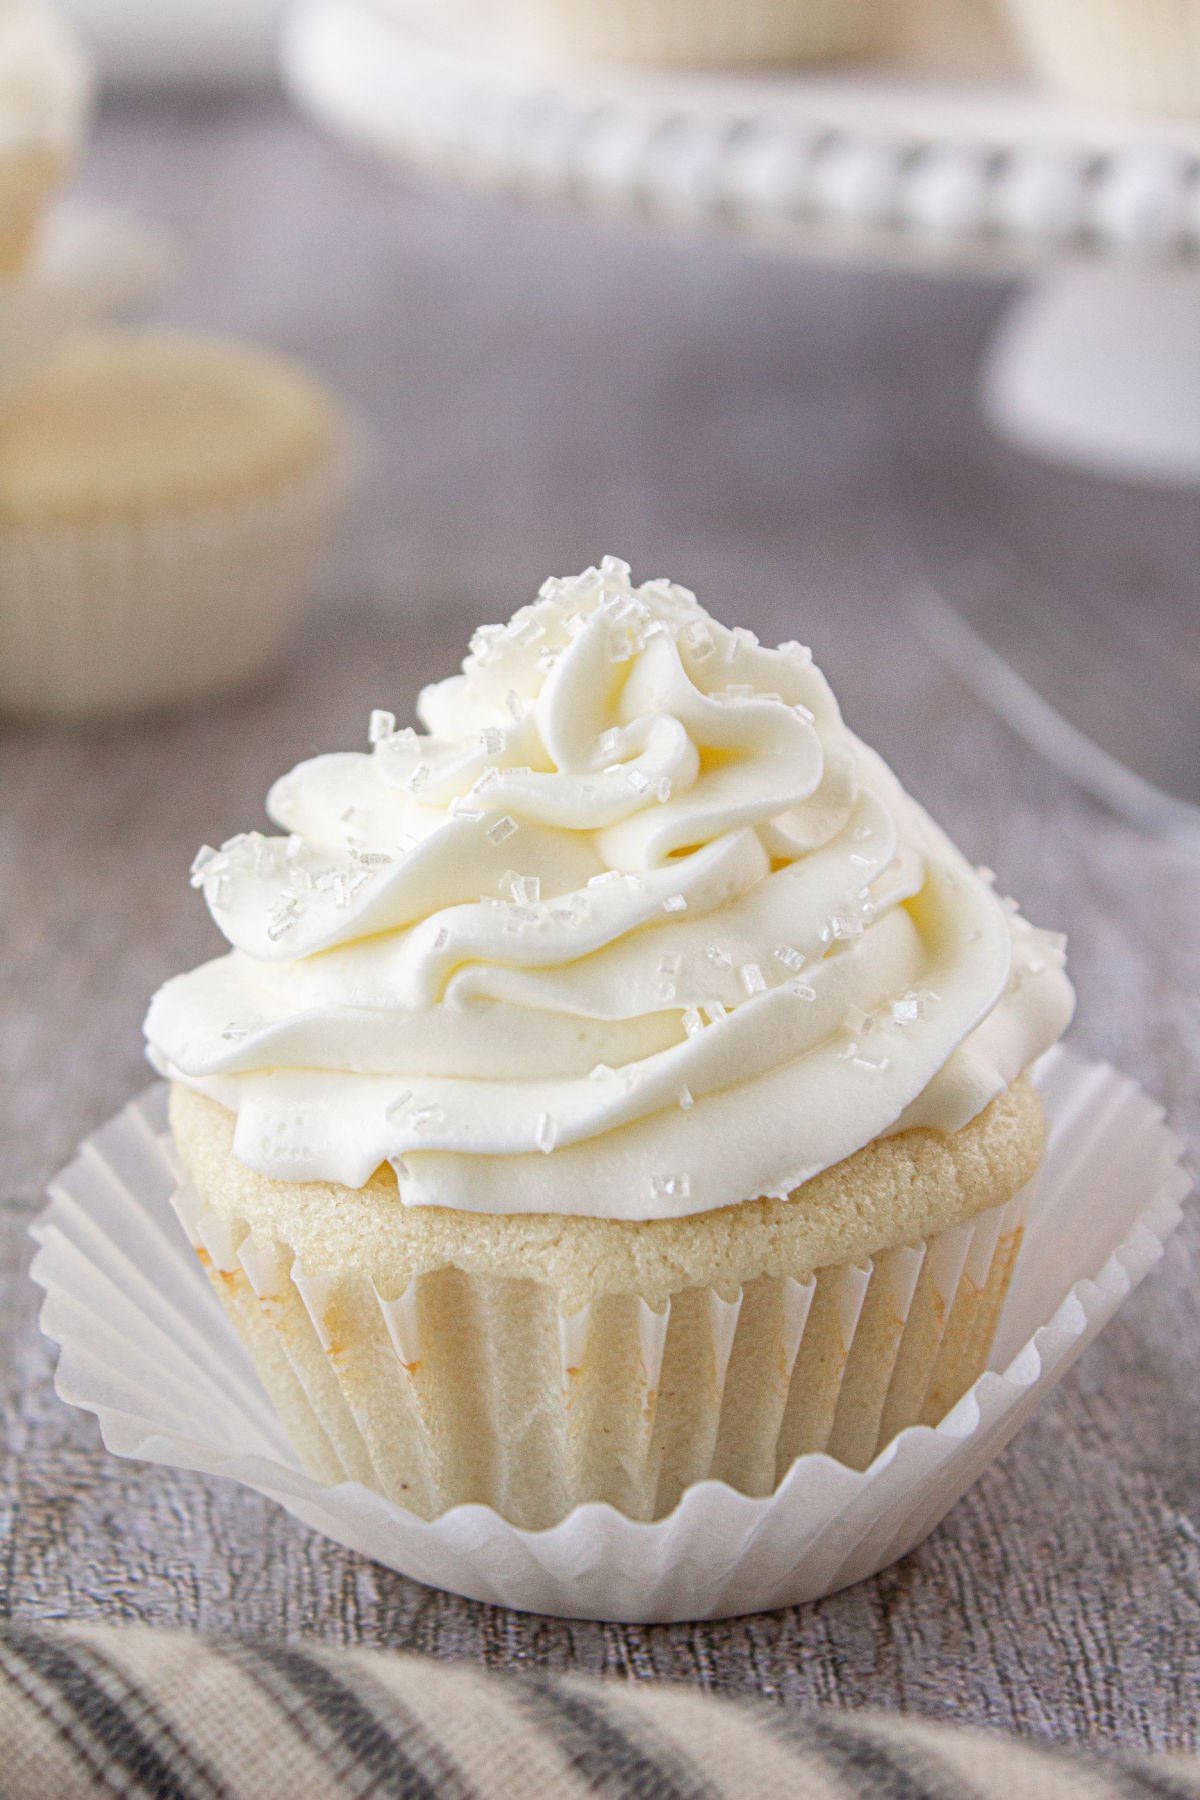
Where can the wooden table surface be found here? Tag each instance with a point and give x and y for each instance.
(534, 392)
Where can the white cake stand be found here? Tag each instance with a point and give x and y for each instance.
(1097, 363)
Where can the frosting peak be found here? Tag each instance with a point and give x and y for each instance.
(634, 927)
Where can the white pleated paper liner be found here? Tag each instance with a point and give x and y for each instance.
(145, 1346)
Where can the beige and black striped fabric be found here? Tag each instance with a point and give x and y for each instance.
(95, 1710)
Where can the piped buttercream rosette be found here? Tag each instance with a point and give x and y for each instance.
(633, 927)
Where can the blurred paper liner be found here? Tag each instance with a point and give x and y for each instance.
(145, 1346)
(109, 616)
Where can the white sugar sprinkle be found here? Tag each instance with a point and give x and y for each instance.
(232, 1032)
(716, 1011)
(515, 704)
(639, 782)
(380, 726)
(601, 1072)
(843, 926)
(670, 1187)
(753, 979)
(674, 903)
(546, 1135)
(609, 742)
(789, 957)
(502, 829)
(669, 965)
(693, 1022)
(442, 939)
(698, 640)
(908, 1010)
(720, 959)
(483, 782)
(525, 889)
(686, 1099)
(802, 990)
(419, 777)
(492, 740)
(200, 862)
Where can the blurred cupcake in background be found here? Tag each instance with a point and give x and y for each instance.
(44, 93)
(163, 497)
(1139, 54)
(713, 33)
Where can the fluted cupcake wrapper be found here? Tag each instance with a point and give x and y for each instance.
(121, 614)
(1142, 54)
(146, 1348)
(471, 1388)
(712, 33)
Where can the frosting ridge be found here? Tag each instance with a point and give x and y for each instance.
(634, 927)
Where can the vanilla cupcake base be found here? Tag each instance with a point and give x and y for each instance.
(463, 1385)
(714, 33)
(111, 616)
(1139, 54)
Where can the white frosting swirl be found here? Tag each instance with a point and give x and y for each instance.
(45, 82)
(638, 929)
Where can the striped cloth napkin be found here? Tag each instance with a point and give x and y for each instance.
(103, 1710)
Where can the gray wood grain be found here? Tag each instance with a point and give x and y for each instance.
(539, 391)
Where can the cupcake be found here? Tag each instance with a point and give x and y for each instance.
(162, 498)
(617, 1082)
(1140, 54)
(44, 91)
(712, 33)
